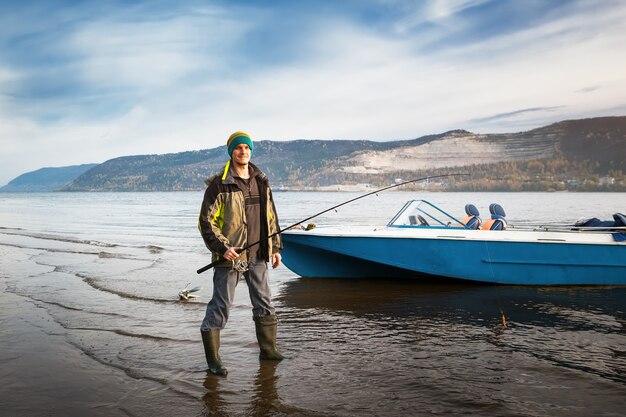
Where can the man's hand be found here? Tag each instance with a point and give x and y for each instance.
(232, 253)
(276, 258)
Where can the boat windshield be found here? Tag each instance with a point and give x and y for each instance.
(416, 213)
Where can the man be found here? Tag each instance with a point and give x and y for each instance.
(238, 210)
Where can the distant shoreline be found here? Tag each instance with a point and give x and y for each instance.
(328, 188)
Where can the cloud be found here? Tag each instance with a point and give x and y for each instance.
(153, 53)
(102, 81)
(513, 116)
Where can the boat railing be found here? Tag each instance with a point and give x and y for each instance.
(419, 213)
(569, 228)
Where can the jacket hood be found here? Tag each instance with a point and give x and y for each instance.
(227, 177)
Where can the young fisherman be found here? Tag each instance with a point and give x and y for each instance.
(237, 210)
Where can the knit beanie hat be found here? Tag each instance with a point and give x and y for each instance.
(236, 139)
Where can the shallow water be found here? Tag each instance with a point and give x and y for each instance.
(90, 321)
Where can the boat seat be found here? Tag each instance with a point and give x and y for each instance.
(497, 221)
(417, 220)
(472, 219)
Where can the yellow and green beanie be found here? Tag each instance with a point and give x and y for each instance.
(236, 139)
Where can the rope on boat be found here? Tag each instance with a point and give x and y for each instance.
(570, 229)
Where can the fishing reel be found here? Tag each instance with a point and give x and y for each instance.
(239, 266)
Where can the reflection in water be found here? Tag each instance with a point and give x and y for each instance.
(390, 300)
(578, 328)
(460, 302)
(264, 401)
(213, 399)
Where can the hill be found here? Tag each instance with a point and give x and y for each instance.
(587, 154)
(46, 179)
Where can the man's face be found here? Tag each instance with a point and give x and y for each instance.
(241, 154)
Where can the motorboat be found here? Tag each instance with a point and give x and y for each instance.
(423, 241)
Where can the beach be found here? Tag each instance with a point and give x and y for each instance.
(91, 323)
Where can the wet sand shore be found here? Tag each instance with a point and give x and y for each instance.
(42, 374)
(356, 349)
(57, 362)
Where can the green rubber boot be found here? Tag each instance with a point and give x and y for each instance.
(211, 342)
(266, 328)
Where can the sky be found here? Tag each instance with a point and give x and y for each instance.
(87, 81)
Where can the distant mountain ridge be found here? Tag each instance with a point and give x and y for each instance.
(577, 154)
(281, 161)
(46, 179)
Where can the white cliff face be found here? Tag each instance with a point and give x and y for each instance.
(452, 151)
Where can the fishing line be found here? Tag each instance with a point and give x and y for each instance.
(212, 264)
(493, 276)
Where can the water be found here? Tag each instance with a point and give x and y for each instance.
(90, 321)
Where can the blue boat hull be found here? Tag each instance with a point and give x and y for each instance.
(501, 262)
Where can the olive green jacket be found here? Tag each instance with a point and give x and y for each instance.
(222, 221)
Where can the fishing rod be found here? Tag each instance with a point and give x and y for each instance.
(212, 264)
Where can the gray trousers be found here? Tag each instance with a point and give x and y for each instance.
(224, 282)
